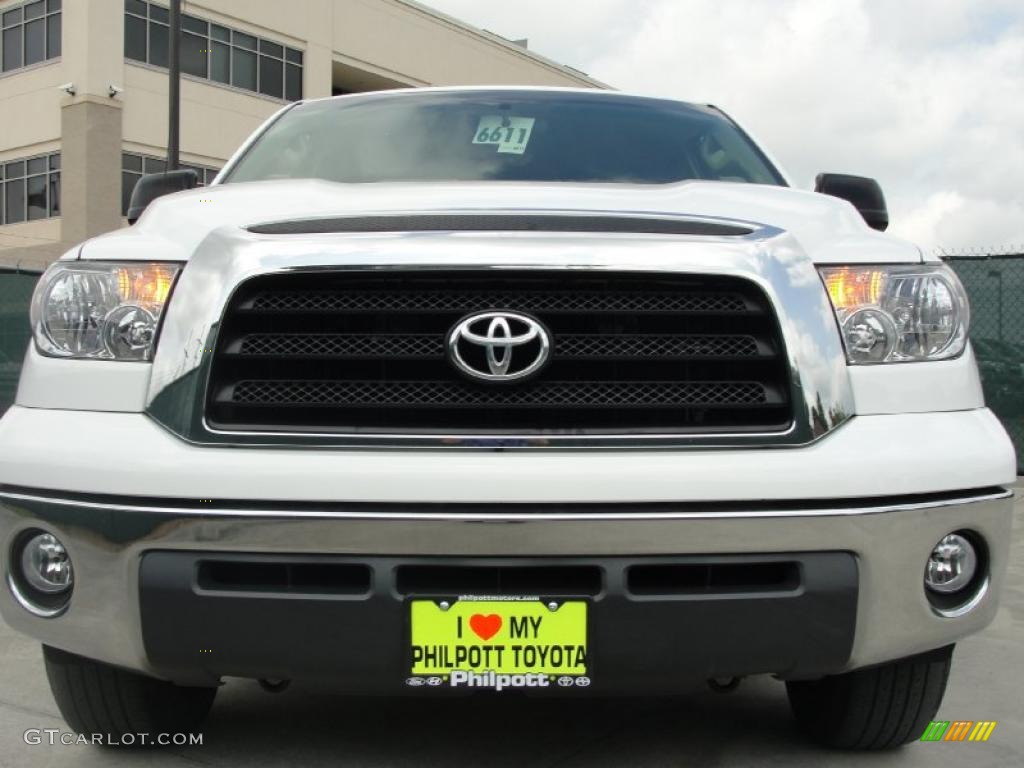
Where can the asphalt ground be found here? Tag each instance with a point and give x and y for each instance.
(752, 726)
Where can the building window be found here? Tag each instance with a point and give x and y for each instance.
(134, 166)
(30, 189)
(213, 52)
(29, 34)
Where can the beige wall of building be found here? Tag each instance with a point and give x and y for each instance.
(351, 45)
(30, 109)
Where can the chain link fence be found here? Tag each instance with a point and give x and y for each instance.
(995, 283)
(15, 294)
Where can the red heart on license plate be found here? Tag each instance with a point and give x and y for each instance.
(485, 626)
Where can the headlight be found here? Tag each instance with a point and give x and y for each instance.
(898, 313)
(101, 310)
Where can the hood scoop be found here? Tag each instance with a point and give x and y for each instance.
(504, 222)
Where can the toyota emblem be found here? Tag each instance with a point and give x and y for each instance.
(499, 346)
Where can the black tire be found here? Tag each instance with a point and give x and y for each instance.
(97, 698)
(876, 708)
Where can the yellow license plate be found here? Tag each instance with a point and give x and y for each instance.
(503, 637)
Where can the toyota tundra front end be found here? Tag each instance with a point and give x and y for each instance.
(503, 390)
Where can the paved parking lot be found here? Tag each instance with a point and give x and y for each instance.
(750, 727)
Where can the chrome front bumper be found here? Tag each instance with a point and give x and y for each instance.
(891, 539)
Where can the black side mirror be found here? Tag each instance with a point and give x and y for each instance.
(149, 188)
(864, 193)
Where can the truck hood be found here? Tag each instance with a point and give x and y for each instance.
(829, 230)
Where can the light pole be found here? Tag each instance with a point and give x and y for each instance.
(998, 274)
(174, 87)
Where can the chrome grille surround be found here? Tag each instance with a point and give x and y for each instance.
(767, 257)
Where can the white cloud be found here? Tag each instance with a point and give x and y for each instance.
(925, 95)
(956, 221)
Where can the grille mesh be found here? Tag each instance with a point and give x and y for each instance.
(432, 394)
(366, 352)
(656, 346)
(405, 301)
(591, 345)
(342, 345)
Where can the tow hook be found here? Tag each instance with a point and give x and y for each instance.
(274, 686)
(724, 684)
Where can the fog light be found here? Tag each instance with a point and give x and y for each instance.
(951, 565)
(45, 564)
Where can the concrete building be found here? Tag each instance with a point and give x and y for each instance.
(83, 91)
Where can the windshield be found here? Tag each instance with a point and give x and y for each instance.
(503, 136)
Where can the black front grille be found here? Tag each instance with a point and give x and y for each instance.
(444, 394)
(434, 300)
(365, 352)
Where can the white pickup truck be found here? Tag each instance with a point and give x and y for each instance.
(456, 390)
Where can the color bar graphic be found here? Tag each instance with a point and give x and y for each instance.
(958, 730)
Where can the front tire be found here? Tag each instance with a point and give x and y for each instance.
(876, 708)
(98, 698)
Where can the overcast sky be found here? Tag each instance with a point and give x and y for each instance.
(927, 96)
